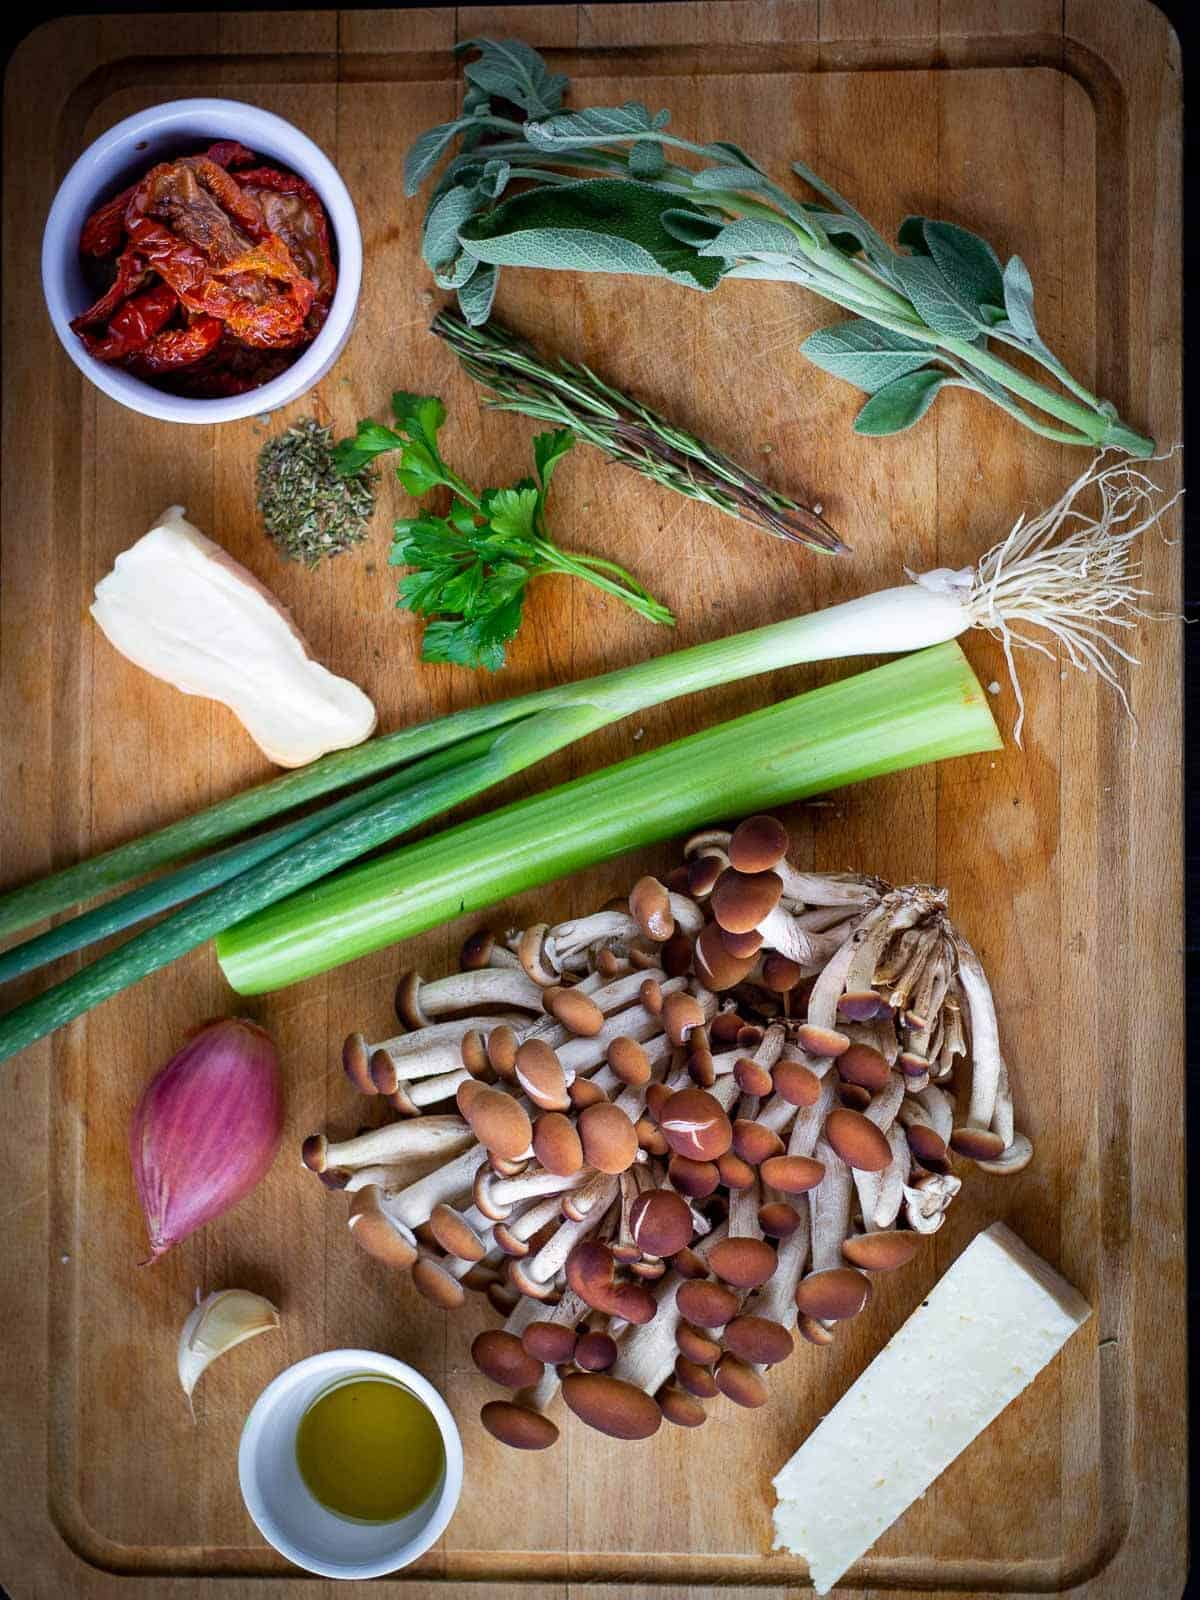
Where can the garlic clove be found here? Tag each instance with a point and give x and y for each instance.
(225, 1319)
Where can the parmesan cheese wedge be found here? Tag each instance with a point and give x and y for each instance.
(986, 1330)
(180, 607)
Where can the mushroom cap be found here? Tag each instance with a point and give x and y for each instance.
(553, 1342)
(734, 1172)
(432, 1280)
(679, 1407)
(408, 1000)
(476, 950)
(755, 1142)
(650, 908)
(643, 956)
(821, 1042)
(609, 964)
(610, 1141)
(518, 1426)
(912, 1065)
(854, 1096)
(742, 945)
(1015, 1158)
(695, 1124)
(715, 966)
(577, 1012)
(465, 1094)
(633, 1302)
(481, 1195)
(739, 1382)
(883, 1251)
(503, 1358)
(777, 1219)
(556, 1144)
(651, 996)
(725, 1027)
(596, 1352)
(792, 1174)
(759, 1340)
(591, 1272)
(660, 1222)
(744, 1262)
(508, 1241)
(525, 1283)
(314, 1152)
(676, 955)
(978, 1144)
(781, 974)
(628, 1061)
(650, 1137)
(582, 1093)
(696, 1377)
(473, 1049)
(833, 1295)
(703, 872)
(752, 1077)
(383, 1072)
(540, 1075)
(796, 1083)
(657, 1095)
(611, 1405)
(741, 900)
(500, 1122)
(864, 1065)
(925, 1143)
(696, 1346)
(681, 1013)
(502, 1045)
(758, 844)
(702, 1069)
(859, 1005)
(502, 1297)
(857, 1140)
(455, 1234)
(709, 1304)
(531, 953)
(696, 1179)
(378, 1234)
(356, 1063)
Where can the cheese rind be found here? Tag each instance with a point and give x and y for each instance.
(984, 1332)
(180, 607)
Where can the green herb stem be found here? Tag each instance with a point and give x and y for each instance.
(924, 708)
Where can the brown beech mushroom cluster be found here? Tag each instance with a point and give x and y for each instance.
(670, 1134)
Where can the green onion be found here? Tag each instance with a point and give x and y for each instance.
(924, 708)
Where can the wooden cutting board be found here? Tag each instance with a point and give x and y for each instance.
(1054, 131)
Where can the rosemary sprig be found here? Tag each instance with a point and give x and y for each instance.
(572, 396)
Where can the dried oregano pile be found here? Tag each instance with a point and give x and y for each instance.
(308, 508)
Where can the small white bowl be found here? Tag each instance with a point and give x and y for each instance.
(278, 1499)
(122, 155)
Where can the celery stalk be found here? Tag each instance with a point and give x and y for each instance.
(923, 708)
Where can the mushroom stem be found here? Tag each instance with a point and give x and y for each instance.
(553, 1254)
(890, 1195)
(648, 1351)
(986, 1063)
(830, 1202)
(444, 1186)
(418, 1003)
(394, 1142)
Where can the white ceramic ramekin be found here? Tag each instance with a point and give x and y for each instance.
(120, 156)
(284, 1511)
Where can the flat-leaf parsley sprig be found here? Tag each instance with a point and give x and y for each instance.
(472, 567)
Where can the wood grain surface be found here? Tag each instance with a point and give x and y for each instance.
(1054, 131)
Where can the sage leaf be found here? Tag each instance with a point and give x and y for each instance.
(912, 234)
(864, 354)
(878, 246)
(515, 72)
(590, 126)
(748, 236)
(936, 301)
(426, 151)
(457, 273)
(899, 405)
(1018, 300)
(696, 228)
(967, 262)
(723, 148)
(439, 243)
(647, 160)
(494, 179)
(595, 225)
(728, 178)
(476, 294)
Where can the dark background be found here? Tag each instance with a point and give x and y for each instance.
(1185, 15)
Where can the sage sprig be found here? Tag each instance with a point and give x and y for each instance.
(602, 190)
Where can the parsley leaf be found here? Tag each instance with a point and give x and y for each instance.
(471, 568)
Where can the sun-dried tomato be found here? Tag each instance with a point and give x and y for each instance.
(293, 210)
(261, 295)
(131, 276)
(134, 324)
(177, 347)
(105, 228)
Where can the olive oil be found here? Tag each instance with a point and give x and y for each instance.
(369, 1450)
